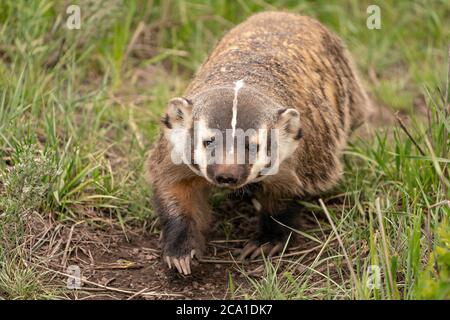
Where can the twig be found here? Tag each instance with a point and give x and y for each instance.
(292, 254)
(126, 265)
(69, 240)
(157, 251)
(402, 125)
(102, 296)
(133, 293)
(347, 258)
(441, 203)
(229, 241)
(137, 294)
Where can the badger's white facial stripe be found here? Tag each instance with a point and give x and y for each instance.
(261, 158)
(237, 86)
(178, 137)
(200, 155)
(281, 147)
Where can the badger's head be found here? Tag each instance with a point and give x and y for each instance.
(231, 136)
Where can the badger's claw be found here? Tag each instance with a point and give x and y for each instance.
(248, 250)
(182, 264)
(255, 250)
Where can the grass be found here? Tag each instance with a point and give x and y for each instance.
(80, 108)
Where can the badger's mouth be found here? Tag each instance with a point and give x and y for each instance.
(230, 176)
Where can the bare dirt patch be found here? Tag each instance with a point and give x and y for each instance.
(127, 265)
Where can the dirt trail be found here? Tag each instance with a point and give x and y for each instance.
(135, 265)
(118, 265)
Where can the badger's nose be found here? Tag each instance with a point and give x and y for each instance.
(226, 179)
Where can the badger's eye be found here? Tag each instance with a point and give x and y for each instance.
(207, 143)
(252, 147)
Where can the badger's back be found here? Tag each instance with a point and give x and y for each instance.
(291, 58)
(300, 64)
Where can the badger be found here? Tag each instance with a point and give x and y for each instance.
(269, 110)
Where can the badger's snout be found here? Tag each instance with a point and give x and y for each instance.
(227, 175)
(226, 178)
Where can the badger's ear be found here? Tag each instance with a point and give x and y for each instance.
(179, 113)
(289, 122)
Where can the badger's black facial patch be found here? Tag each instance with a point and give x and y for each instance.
(299, 134)
(196, 166)
(166, 121)
(179, 114)
(208, 142)
(220, 106)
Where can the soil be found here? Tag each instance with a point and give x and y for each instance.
(118, 264)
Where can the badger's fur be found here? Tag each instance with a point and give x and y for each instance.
(281, 71)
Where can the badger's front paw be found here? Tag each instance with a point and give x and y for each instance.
(273, 233)
(256, 248)
(180, 242)
(269, 241)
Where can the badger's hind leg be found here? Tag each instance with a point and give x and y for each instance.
(273, 230)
